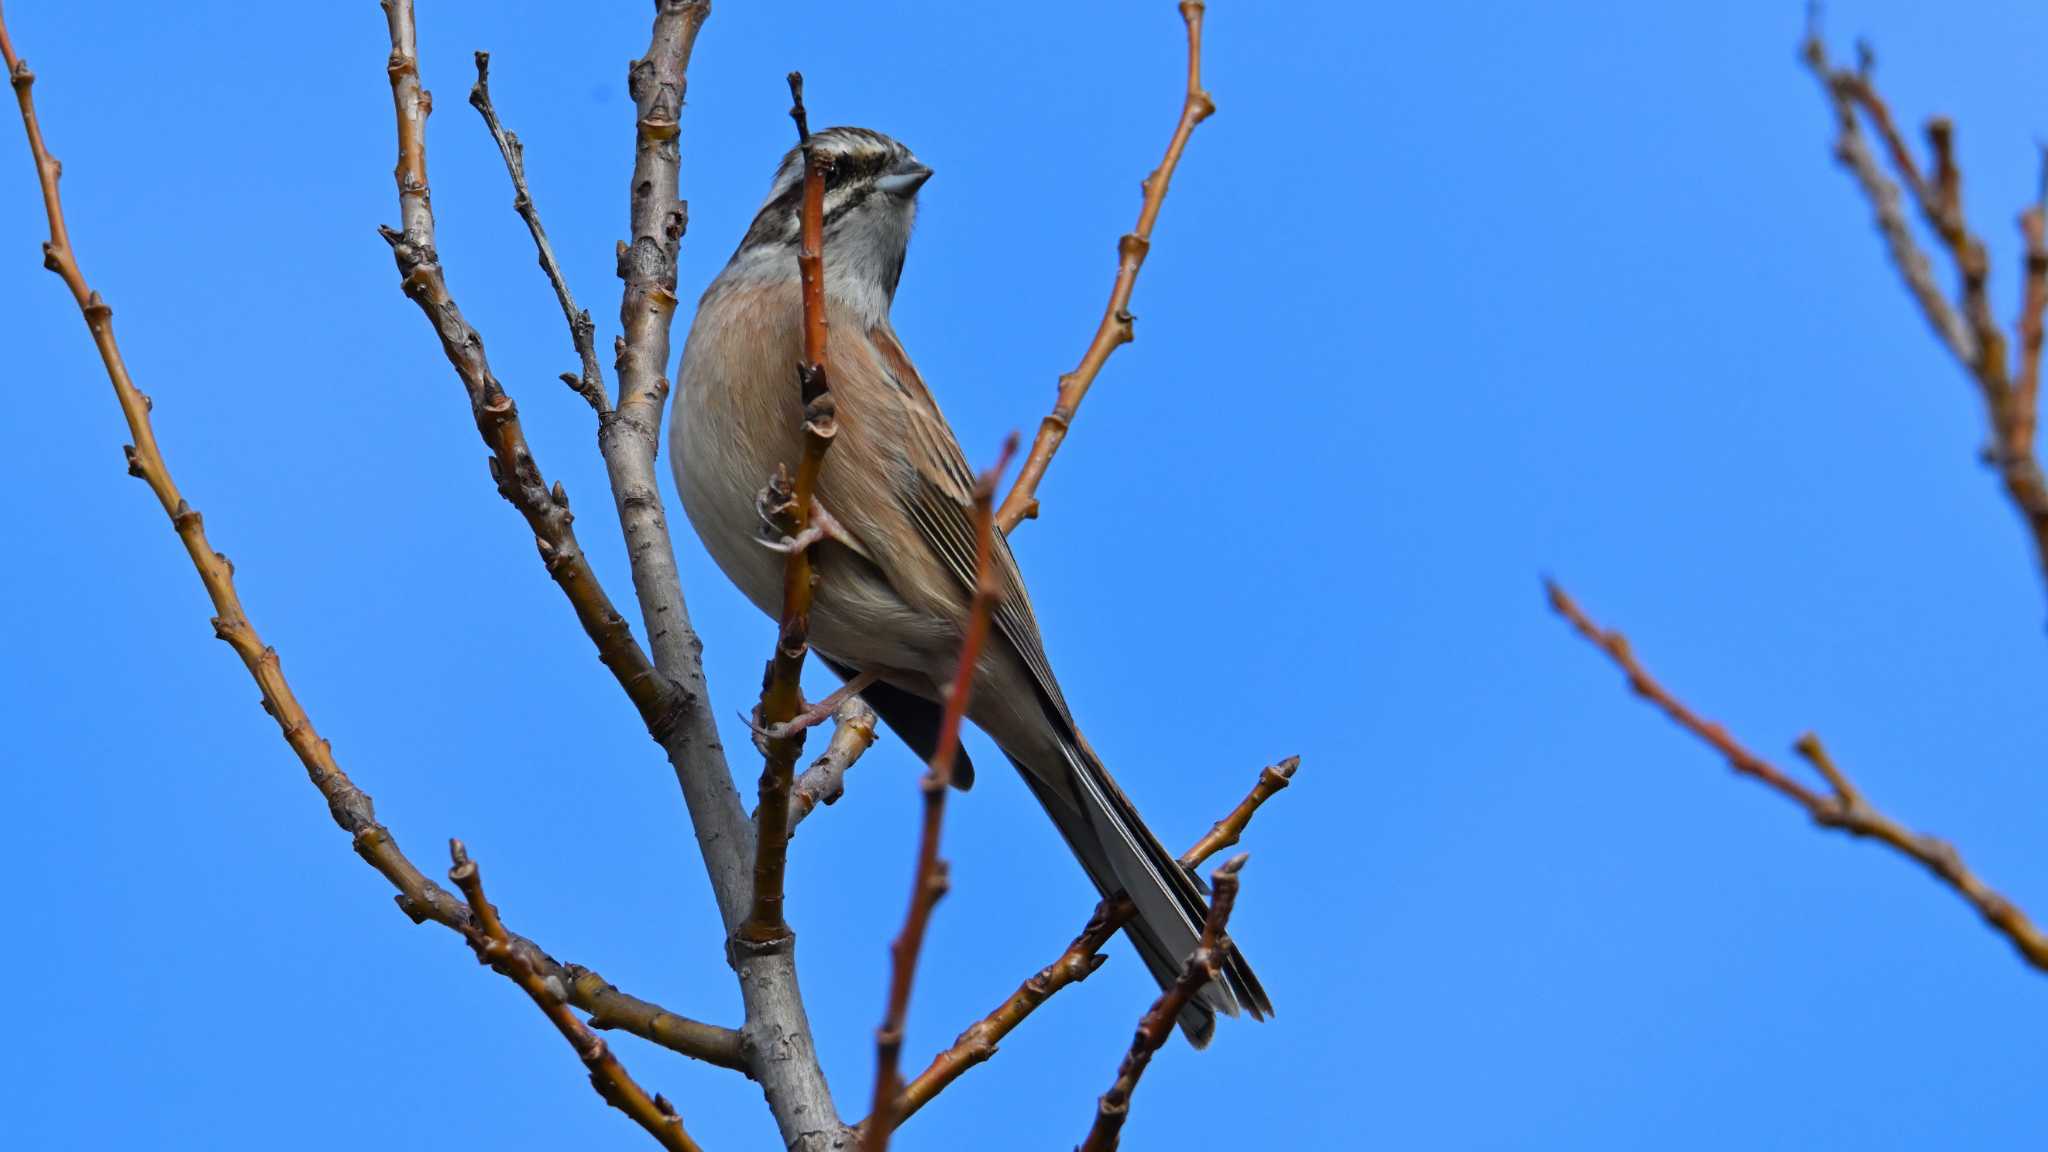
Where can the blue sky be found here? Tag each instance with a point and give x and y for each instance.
(1446, 297)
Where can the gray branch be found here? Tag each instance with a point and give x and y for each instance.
(777, 1034)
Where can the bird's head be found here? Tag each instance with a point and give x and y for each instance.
(871, 184)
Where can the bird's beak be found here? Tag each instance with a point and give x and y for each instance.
(905, 181)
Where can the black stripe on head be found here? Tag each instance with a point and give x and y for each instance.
(858, 156)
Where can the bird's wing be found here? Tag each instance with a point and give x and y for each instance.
(940, 502)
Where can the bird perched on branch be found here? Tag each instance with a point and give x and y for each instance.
(897, 567)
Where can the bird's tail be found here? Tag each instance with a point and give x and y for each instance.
(1110, 839)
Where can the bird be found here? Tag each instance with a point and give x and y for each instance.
(897, 568)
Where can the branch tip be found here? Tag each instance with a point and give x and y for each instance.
(1114, 329)
(1843, 807)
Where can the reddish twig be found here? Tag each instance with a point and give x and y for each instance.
(1080, 960)
(494, 947)
(789, 504)
(1226, 831)
(582, 330)
(825, 780)
(1203, 967)
(928, 882)
(1115, 328)
(1841, 806)
(2009, 385)
(351, 808)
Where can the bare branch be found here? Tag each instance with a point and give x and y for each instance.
(1967, 328)
(582, 331)
(928, 882)
(610, 1009)
(2026, 397)
(1227, 830)
(789, 505)
(1204, 966)
(1841, 807)
(494, 947)
(1080, 960)
(825, 780)
(518, 476)
(1853, 152)
(780, 1052)
(1115, 329)
(352, 809)
(630, 440)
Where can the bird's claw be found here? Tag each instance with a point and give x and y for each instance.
(822, 526)
(812, 715)
(789, 545)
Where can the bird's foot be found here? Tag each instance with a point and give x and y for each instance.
(822, 526)
(814, 714)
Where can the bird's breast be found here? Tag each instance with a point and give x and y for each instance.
(736, 420)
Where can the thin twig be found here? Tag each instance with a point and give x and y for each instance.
(1080, 959)
(494, 947)
(825, 780)
(2009, 386)
(1841, 806)
(582, 331)
(789, 505)
(2026, 396)
(513, 467)
(1226, 831)
(672, 712)
(1202, 967)
(1116, 326)
(928, 881)
(419, 897)
(1853, 152)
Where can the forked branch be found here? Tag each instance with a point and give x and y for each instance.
(1116, 327)
(352, 809)
(1840, 805)
(2009, 384)
(1202, 968)
(825, 780)
(518, 475)
(494, 947)
(582, 330)
(1080, 960)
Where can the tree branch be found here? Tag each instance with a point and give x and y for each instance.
(928, 882)
(630, 440)
(1202, 967)
(1840, 807)
(2010, 388)
(494, 947)
(582, 331)
(776, 1036)
(611, 1009)
(789, 504)
(1080, 960)
(825, 780)
(419, 898)
(513, 467)
(1115, 328)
